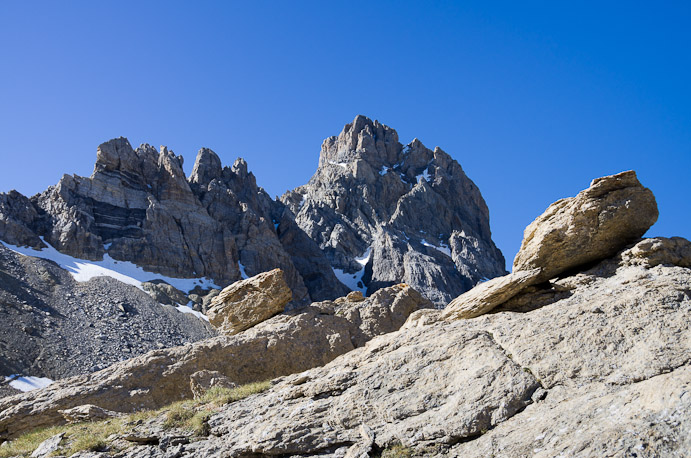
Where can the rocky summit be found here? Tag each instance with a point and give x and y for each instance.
(365, 314)
(385, 213)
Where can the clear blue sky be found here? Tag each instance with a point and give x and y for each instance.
(533, 99)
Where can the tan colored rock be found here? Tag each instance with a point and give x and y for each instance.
(438, 383)
(248, 302)
(602, 371)
(652, 252)
(285, 344)
(87, 412)
(601, 220)
(203, 381)
(488, 295)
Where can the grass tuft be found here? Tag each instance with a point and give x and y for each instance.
(190, 415)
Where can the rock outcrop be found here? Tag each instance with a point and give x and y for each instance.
(384, 213)
(138, 206)
(248, 302)
(285, 344)
(600, 221)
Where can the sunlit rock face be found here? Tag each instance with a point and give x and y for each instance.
(386, 213)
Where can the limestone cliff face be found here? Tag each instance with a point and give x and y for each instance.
(138, 206)
(413, 210)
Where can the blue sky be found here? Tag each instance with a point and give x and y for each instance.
(533, 99)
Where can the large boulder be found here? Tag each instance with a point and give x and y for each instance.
(287, 343)
(600, 221)
(248, 302)
(613, 212)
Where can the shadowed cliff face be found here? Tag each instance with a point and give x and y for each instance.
(416, 213)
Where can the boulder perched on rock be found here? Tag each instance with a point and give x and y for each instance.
(287, 343)
(613, 212)
(248, 302)
(485, 296)
(600, 221)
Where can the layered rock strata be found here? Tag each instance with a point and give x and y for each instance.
(138, 206)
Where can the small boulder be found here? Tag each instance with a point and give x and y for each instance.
(203, 381)
(674, 251)
(48, 446)
(613, 212)
(164, 293)
(87, 412)
(248, 302)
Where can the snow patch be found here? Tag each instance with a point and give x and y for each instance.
(442, 247)
(424, 175)
(342, 164)
(243, 272)
(27, 383)
(354, 280)
(83, 270)
(188, 309)
(384, 170)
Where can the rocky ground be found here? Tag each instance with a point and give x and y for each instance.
(53, 326)
(593, 361)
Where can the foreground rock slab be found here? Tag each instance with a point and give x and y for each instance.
(439, 384)
(597, 365)
(285, 344)
(248, 302)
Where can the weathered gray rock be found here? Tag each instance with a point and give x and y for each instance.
(87, 412)
(164, 293)
(285, 344)
(613, 212)
(438, 384)
(248, 302)
(203, 381)
(604, 371)
(138, 206)
(647, 419)
(411, 209)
